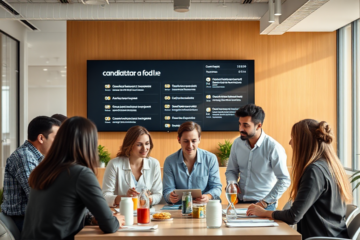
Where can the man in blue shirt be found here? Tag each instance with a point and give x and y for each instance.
(191, 168)
(41, 133)
(259, 159)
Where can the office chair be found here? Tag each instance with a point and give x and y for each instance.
(353, 231)
(8, 229)
(351, 212)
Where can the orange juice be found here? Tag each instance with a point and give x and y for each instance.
(231, 197)
(135, 201)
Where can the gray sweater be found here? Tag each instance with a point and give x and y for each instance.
(318, 209)
(58, 211)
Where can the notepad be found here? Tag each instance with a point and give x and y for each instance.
(171, 207)
(241, 211)
(248, 224)
(249, 221)
(135, 228)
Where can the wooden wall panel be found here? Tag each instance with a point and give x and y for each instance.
(295, 73)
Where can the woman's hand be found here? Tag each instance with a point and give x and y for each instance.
(258, 211)
(120, 218)
(132, 192)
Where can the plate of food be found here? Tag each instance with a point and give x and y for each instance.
(161, 216)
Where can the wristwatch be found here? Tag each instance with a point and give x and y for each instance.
(265, 204)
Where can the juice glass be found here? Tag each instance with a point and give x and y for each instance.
(143, 215)
(135, 201)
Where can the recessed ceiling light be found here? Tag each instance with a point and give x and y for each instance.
(63, 71)
(45, 69)
(63, 75)
(65, 67)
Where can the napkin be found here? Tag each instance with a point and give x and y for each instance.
(249, 224)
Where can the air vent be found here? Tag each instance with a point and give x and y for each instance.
(181, 5)
(95, 2)
(29, 25)
(247, 1)
(8, 8)
(64, 1)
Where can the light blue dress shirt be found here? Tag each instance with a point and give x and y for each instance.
(204, 175)
(263, 171)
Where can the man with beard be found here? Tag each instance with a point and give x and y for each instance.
(259, 159)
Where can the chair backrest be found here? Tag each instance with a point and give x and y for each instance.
(351, 212)
(10, 226)
(5, 233)
(354, 228)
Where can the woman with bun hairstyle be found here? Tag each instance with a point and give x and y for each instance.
(133, 169)
(320, 188)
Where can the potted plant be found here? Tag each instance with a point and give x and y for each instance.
(104, 156)
(224, 153)
(356, 177)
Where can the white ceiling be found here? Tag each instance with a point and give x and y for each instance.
(330, 17)
(47, 47)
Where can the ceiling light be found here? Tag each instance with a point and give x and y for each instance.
(63, 71)
(271, 11)
(63, 75)
(45, 69)
(181, 6)
(65, 67)
(277, 8)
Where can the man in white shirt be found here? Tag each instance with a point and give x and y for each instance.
(259, 159)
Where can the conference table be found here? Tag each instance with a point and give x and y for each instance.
(182, 228)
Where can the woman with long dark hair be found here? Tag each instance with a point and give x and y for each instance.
(64, 185)
(320, 187)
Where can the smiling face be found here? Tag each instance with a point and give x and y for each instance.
(189, 142)
(141, 147)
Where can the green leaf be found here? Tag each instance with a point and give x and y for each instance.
(104, 155)
(355, 174)
(355, 178)
(357, 185)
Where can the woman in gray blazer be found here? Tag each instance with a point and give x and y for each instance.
(63, 185)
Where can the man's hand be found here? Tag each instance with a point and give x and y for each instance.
(174, 198)
(260, 204)
(204, 199)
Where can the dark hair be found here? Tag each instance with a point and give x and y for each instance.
(41, 125)
(256, 113)
(187, 127)
(59, 117)
(130, 138)
(75, 144)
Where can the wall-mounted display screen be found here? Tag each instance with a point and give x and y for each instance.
(162, 94)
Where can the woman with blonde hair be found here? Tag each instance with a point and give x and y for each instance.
(320, 188)
(133, 169)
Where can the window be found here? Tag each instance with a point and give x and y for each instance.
(348, 95)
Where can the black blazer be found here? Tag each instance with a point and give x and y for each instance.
(58, 211)
(318, 209)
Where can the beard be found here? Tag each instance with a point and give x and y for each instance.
(248, 136)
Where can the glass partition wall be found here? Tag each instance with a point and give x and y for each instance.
(348, 95)
(9, 98)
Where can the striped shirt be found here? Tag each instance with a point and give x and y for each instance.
(17, 171)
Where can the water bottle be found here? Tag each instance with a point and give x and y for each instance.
(126, 209)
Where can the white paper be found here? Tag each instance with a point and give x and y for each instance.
(135, 228)
(241, 211)
(247, 224)
(250, 221)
